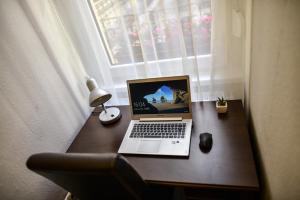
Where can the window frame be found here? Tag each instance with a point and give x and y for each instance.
(107, 51)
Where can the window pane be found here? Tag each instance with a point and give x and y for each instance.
(196, 26)
(134, 31)
(133, 35)
(117, 43)
(165, 32)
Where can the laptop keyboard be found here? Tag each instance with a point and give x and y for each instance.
(158, 130)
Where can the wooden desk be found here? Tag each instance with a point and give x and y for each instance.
(229, 164)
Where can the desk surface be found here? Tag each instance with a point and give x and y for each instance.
(229, 164)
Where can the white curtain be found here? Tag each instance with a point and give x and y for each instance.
(141, 39)
(43, 94)
(152, 38)
(155, 38)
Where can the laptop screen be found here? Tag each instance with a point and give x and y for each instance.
(160, 97)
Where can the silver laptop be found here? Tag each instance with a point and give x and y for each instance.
(161, 117)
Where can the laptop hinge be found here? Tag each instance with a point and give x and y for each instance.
(161, 119)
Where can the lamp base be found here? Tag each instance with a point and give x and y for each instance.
(111, 115)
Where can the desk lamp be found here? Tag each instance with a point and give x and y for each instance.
(99, 97)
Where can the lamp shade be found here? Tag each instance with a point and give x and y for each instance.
(97, 96)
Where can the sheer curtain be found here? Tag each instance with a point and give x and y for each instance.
(43, 94)
(120, 40)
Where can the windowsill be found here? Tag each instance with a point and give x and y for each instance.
(161, 61)
(205, 81)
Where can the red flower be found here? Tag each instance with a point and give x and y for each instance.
(206, 19)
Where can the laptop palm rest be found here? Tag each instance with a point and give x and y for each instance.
(149, 146)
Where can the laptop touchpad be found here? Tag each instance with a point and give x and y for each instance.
(149, 146)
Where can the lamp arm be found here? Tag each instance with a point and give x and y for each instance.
(104, 108)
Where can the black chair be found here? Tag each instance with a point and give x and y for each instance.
(95, 176)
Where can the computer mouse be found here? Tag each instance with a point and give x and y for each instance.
(206, 142)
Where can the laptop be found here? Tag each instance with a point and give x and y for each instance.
(161, 115)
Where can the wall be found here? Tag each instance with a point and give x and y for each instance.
(43, 102)
(275, 95)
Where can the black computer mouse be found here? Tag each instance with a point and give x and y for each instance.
(206, 142)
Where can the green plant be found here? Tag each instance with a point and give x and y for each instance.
(221, 101)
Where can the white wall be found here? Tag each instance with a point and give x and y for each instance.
(275, 95)
(39, 110)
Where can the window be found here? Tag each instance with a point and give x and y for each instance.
(133, 31)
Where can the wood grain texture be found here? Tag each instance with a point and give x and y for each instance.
(229, 164)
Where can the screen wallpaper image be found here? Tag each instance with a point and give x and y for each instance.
(163, 97)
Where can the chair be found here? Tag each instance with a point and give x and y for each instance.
(95, 176)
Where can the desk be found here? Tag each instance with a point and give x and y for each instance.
(229, 165)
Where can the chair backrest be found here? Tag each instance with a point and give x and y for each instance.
(90, 176)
